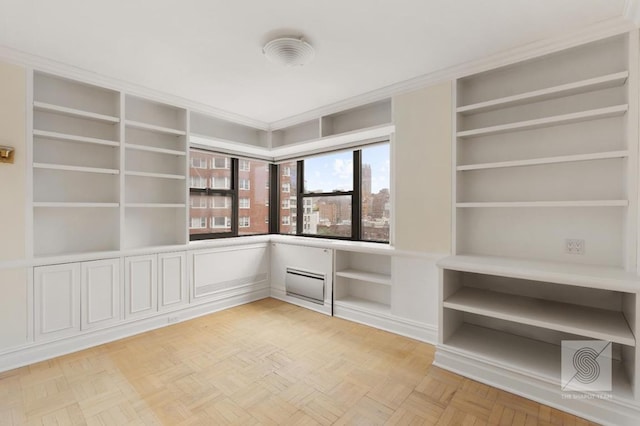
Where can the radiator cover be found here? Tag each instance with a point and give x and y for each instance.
(305, 285)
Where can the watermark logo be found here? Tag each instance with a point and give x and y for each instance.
(586, 366)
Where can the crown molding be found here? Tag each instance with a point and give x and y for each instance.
(600, 30)
(67, 71)
(632, 11)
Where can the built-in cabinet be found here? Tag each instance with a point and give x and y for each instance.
(545, 222)
(173, 286)
(141, 285)
(74, 297)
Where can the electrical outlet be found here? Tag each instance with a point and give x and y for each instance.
(574, 246)
(173, 319)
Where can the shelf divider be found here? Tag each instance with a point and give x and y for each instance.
(63, 167)
(546, 160)
(154, 128)
(72, 112)
(520, 204)
(73, 138)
(365, 276)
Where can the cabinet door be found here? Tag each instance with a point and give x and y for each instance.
(57, 301)
(100, 293)
(141, 295)
(172, 280)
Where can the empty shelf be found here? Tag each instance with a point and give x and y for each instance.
(365, 276)
(72, 112)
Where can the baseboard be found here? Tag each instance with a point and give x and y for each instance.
(36, 352)
(613, 411)
(394, 324)
(280, 294)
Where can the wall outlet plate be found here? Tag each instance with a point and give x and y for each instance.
(173, 319)
(574, 246)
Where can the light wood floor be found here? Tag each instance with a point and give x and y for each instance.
(267, 362)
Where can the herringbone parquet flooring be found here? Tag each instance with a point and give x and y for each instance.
(267, 362)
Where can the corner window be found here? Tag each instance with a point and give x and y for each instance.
(217, 210)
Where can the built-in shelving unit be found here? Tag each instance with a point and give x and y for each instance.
(155, 170)
(362, 282)
(76, 163)
(546, 151)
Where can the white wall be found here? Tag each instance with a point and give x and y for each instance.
(13, 282)
(422, 149)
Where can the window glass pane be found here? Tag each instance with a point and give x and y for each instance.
(288, 183)
(203, 174)
(209, 214)
(254, 194)
(376, 195)
(327, 216)
(329, 173)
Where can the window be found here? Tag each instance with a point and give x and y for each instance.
(345, 195)
(214, 196)
(220, 222)
(198, 223)
(219, 162)
(198, 163)
(198, 202)
(198, 182)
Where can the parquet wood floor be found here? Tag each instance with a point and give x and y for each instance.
(267, 363)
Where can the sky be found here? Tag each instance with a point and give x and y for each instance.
(334, 171)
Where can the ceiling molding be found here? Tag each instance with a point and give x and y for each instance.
(632, 11)
(588, 34)
(68, 71)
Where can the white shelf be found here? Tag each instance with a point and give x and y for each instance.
(155, 205)
(154, 149)
(605, 278)
(526, 356)
(155, 175)
(581, 320)
(154, 128)
(73, 138)
(519, 204)
(363, 305)
(546, 122)
(547, 160)
(75, 168)
(72, 112)
(365, 276)
(76, 205)
(592, 84)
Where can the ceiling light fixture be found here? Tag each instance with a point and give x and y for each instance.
(289, 51)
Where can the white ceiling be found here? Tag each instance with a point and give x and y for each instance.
(210, 50)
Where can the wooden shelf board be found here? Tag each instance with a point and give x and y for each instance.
(583, 86)
(154, 149)
(365, 276)
(155, 205)
(546, 160)
(526, 356)
(518, 204)
(546, 121)
(75, 205)
(73, 138)
(75, 168)
(601, 277)
(581, 320)
(72, 112)
(155, 175)
(363, 305)
(154, 128)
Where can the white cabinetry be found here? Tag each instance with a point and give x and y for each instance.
(546, 152)
(173, 290)
(141, 286)
(101, 293)
(57, 301)
(363, 283)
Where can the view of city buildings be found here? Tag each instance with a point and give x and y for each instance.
(211, 200)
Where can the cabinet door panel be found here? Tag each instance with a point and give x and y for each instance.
(100, 293)
(57, 301)
(172, 280)
(141, 286)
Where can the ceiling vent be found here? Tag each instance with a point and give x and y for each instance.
(289, 51)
